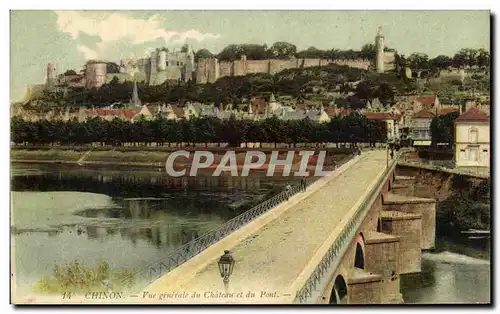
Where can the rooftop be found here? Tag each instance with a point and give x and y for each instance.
(473, 114)
(379, 116)
(423, 114)
(427, 100)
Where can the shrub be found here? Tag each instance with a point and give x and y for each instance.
(76, 277)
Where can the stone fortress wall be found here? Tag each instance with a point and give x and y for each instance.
(164, 65)
(207, 69)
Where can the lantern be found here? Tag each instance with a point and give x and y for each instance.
(226, 265)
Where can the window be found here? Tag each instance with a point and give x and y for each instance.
(473, 136)
(167, 63)
(462, 154)
(473, 153)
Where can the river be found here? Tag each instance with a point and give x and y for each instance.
(127, 217)
(130, 217)
(456, 271)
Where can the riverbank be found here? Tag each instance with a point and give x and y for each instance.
(464, 201)
(147, 157)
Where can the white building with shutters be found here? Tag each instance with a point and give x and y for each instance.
(472, 139)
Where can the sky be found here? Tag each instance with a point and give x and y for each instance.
(69, 38)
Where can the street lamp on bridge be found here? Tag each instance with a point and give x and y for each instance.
(226, 266)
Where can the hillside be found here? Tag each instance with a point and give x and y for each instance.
(349, 86)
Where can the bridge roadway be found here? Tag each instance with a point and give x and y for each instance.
(271, 259)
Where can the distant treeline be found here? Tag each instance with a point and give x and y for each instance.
(285, 50)
(354, 128)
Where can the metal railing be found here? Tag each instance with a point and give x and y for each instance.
(189, 250)
(317, 281)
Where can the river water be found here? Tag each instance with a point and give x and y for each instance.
(128, 218)
(131, 217)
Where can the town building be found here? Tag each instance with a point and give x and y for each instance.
(472, 139)
(420, 130)
(390, 120)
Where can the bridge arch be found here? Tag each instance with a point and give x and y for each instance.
(339, 291)
(359, 259)
(359, 253)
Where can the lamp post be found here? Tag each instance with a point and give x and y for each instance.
(226, 266)
(387, 154)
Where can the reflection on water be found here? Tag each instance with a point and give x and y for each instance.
(150, 214)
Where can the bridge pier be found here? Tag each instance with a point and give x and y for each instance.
(416, 205)
(404, 185)
(382, 257)
(364, 287)
(407, 227)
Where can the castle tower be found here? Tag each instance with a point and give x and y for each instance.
(162, 60)
(95, 74)
(51, 74)
(379, 47)
(189, 67)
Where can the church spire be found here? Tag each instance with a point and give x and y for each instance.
(135, 96)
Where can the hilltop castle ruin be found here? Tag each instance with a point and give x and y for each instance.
(164, 65)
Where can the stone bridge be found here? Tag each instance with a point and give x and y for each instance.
(346, 240)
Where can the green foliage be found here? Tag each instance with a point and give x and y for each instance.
(70, 72)
(76, 277)
(296, 83)
(468, 207)
(283, 50)
(418, 60)
(464, 57)
(202, 54)
(441, 62)
(442, 129)
(353, 128)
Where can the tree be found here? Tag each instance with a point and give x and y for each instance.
(230, 53)
(483, 58)
(255, 52)
(368, 51)
(283, 50)
(385, 93)
(441, 62)
(418, 60)
(70, 72)
(185, 48)
(311, 52)
(459, 60)
(442, 129)
(466, 57)
(202, 54)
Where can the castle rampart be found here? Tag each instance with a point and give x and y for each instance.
(206, 67)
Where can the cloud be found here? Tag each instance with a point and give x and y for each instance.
(118, 26)
(87, 52)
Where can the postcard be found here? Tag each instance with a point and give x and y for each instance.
(250, 157)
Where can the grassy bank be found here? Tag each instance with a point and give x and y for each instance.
(132, 156)
(104, 157)
(80, 278)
